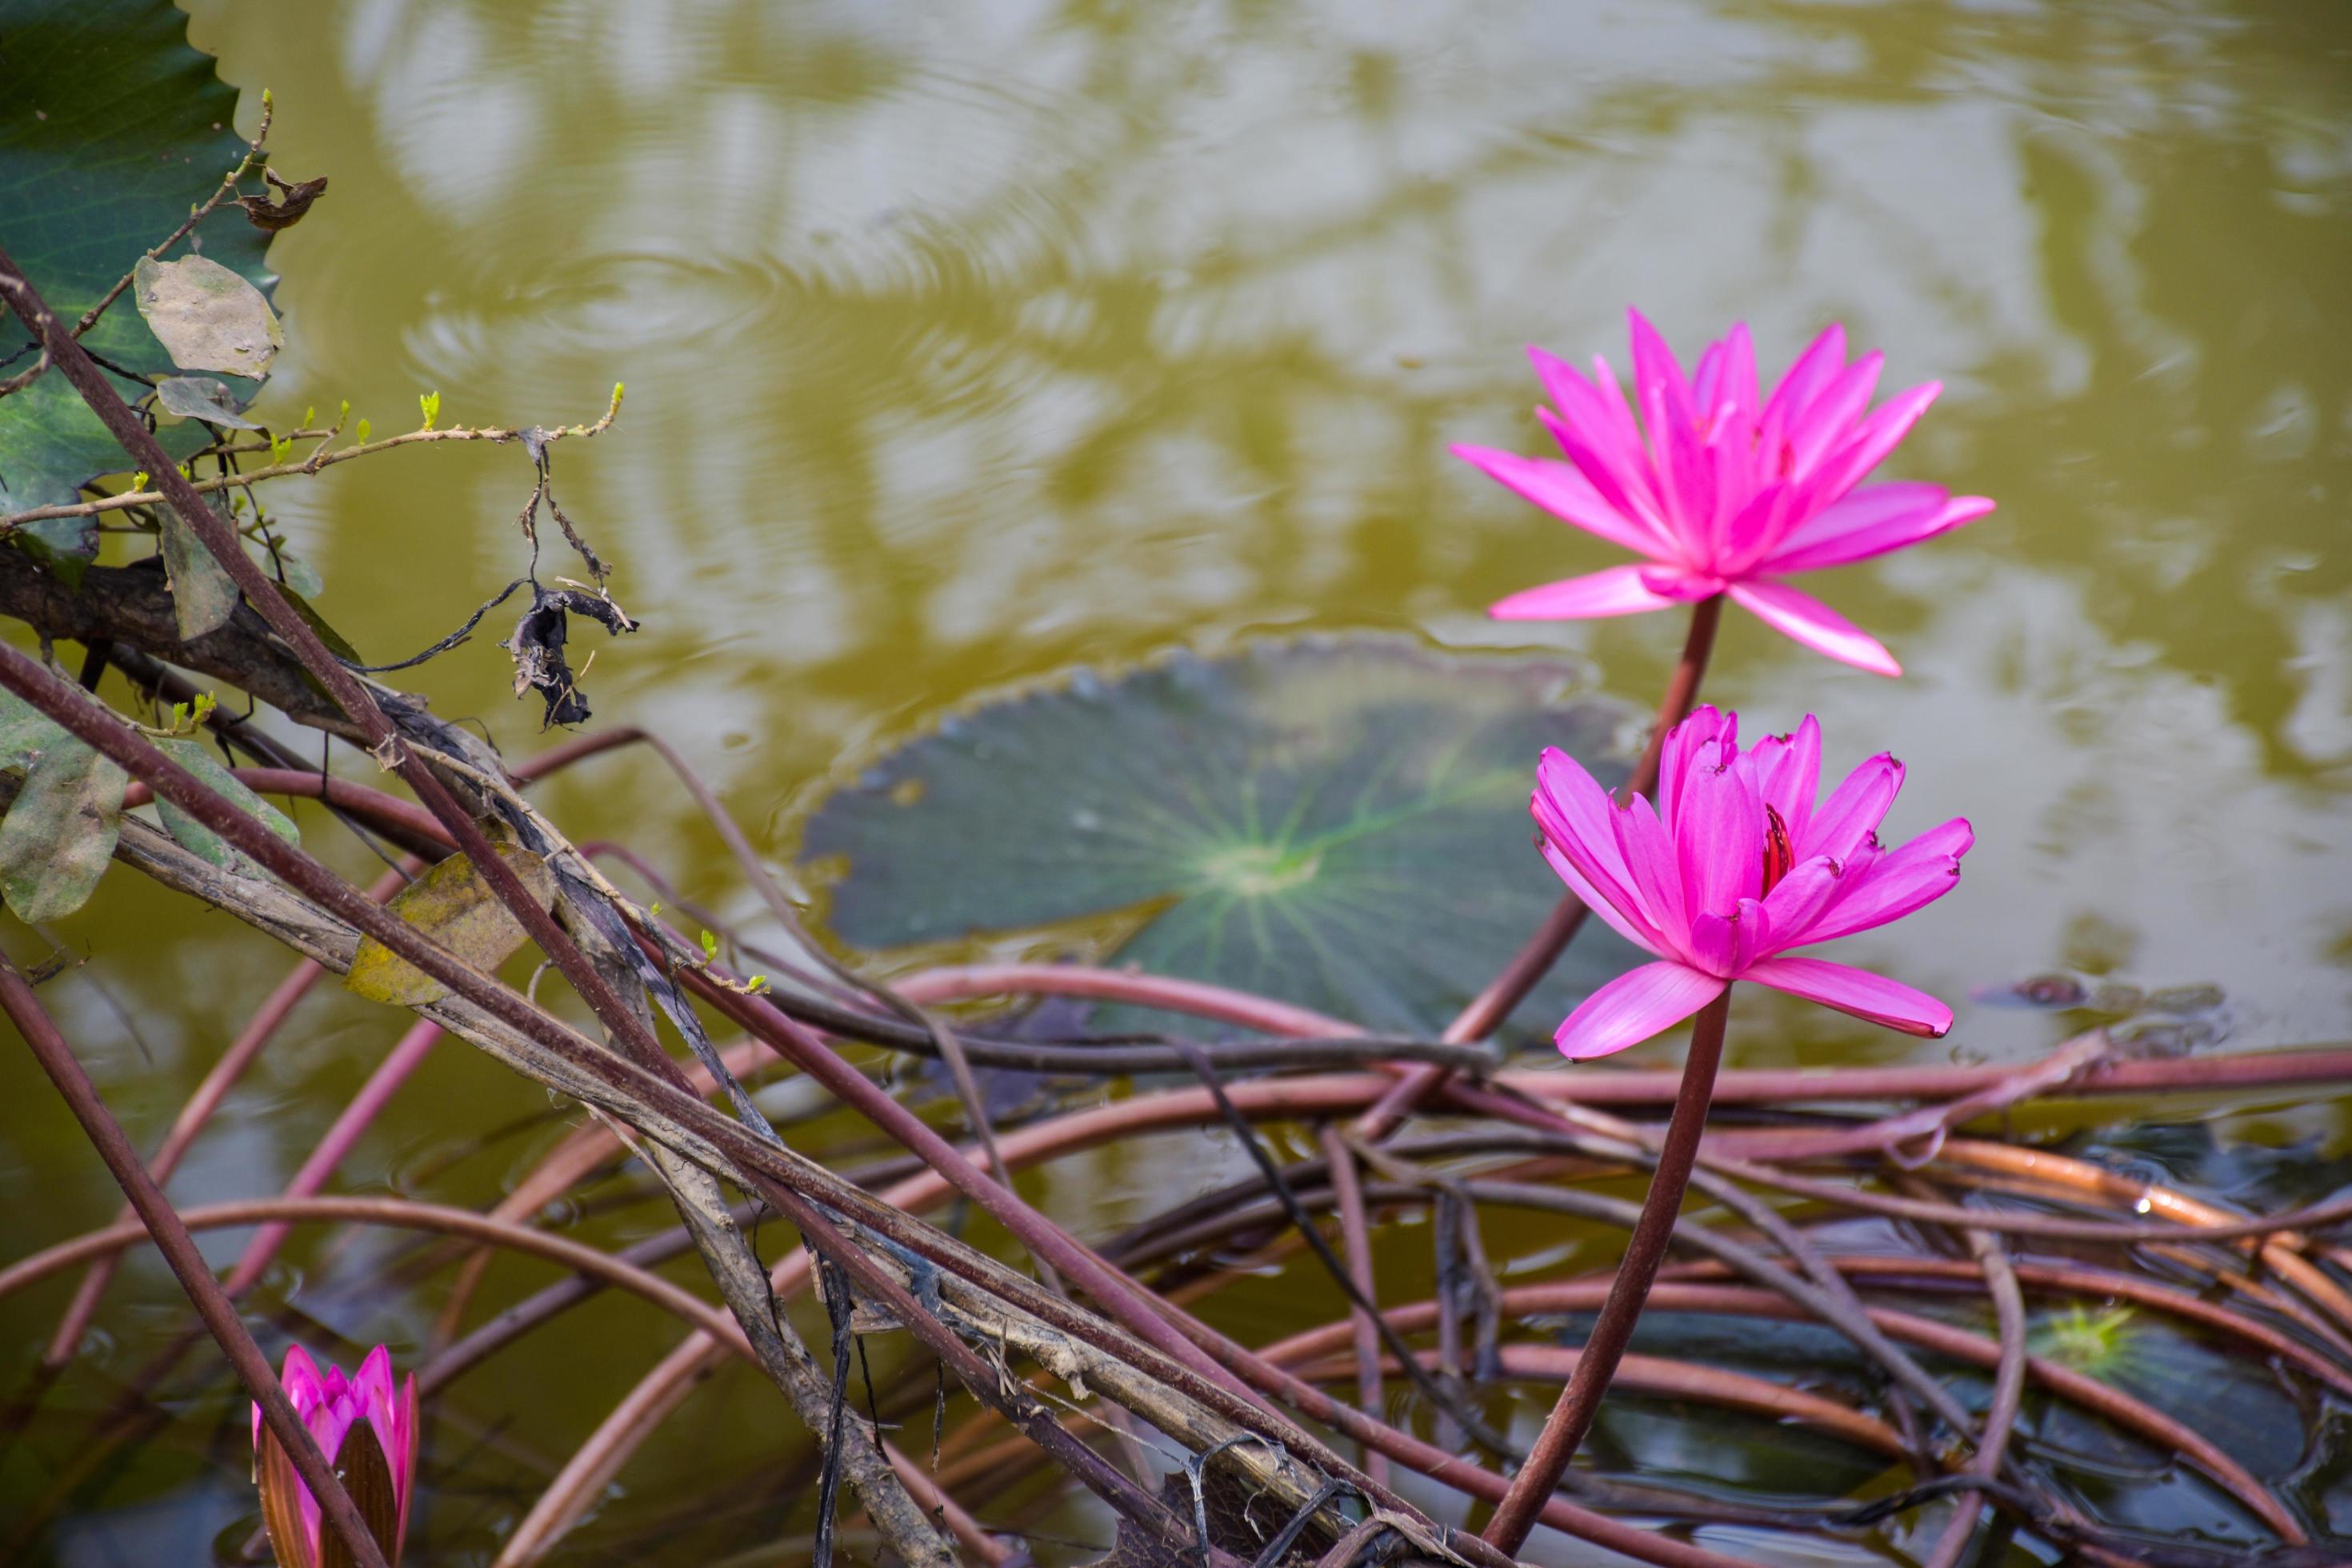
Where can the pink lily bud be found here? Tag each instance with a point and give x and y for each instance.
(1731, 492)
(1738, 862)
(367, 1432)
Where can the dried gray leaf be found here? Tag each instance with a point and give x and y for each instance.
(207, 317)
(200, 397)
(60, 831)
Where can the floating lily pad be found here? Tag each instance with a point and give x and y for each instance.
(1340, 823)
(112, 127)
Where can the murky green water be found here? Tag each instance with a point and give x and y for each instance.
(967, 344)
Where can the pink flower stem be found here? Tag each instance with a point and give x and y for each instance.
(1534, 961)
(1571, 1417)
(179, 1249)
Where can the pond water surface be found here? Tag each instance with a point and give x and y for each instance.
(970, 344)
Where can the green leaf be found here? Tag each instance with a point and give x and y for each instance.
(287, 569)
(25, 733)
(204, 595)
(1343, 824)
(334, 639)
(451, 904)
(207, 317)
(60, 830)
(199, 758)
(113, 129)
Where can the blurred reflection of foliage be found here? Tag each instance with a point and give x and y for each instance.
(1005, 312)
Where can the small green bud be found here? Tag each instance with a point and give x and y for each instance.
(362, 432)
(430, 402)
(709, 947)
(310, 417)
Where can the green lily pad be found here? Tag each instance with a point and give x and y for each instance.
(111, 128)
(1339, 823)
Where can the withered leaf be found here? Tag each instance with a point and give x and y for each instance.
(201, 397)
(537, 645)
(207, 317)
(293, 201)
(60, 830)
(453, 905)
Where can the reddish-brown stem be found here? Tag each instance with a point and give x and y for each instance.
(1571, 1417)
(394, 1070)
(1527, 966)
(1356, 1236)
(2008, 1395)
(1941, 1339)
(273, 1013)
(212, 1303)
(404, 822)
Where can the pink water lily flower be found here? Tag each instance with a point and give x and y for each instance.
(1732, 492)
(1733, 867)
(381, 1474)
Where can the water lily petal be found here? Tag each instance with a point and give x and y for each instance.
(1617, 917)
(1636, 1005)
(1649, 855)
(1564, 492)
(1596, 430)
(1719, 835)
(1822, 359)
(1854, 810)
(1692, 742)
(1873, 522)
(1898, 882)
(1789, 775)
(1880, 432)
(1790, 909)
(1809, 621)
(1855, 990)
(1580, 835)
(1726, 372)
(1613, 591)
(1824, 424)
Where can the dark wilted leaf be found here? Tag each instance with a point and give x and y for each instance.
(294, 201)
(60, 830)
(1343, 824)
(538, 642)
(207, 317)
(451, 904)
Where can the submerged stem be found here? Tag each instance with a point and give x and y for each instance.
(1571, 1417)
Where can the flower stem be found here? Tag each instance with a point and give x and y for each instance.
(1534, 961)
(1571, 1417)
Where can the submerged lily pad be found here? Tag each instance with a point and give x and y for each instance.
(1339, 823)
